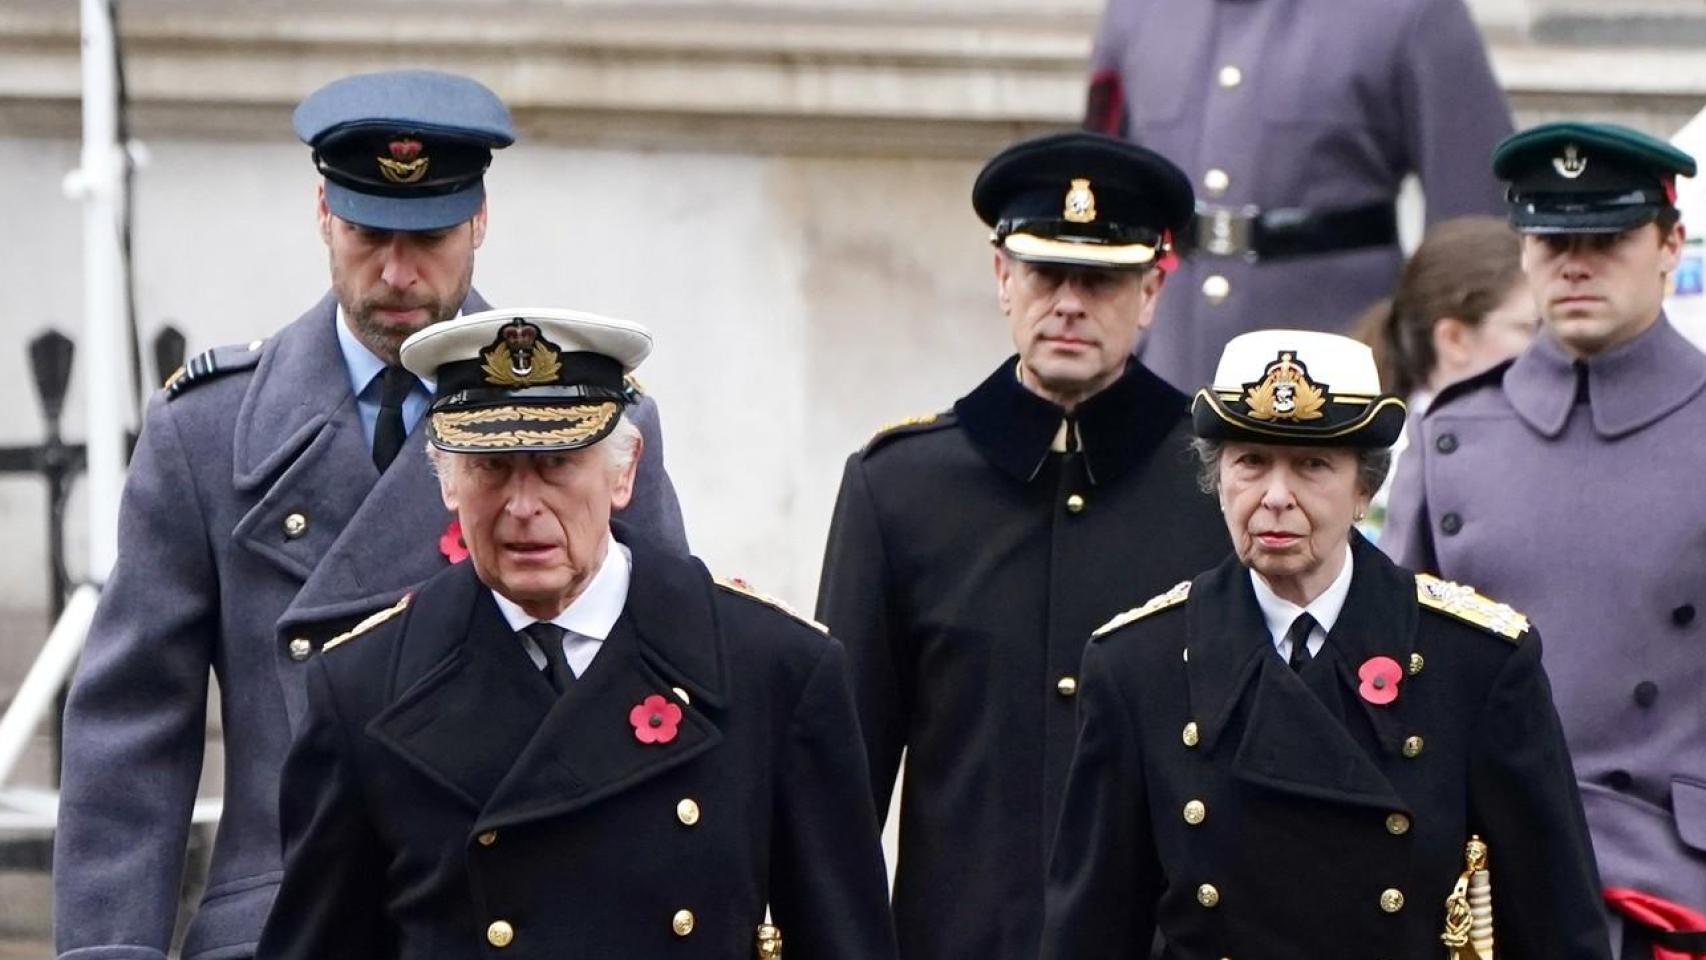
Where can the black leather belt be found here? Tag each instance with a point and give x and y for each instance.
(1257, 234)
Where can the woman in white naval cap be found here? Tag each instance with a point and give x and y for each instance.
(1307, 751)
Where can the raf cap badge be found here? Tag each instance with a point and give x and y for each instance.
(1285, 392)
(405, 164)
(1572, 164)
(1080, 202)
(519, 357)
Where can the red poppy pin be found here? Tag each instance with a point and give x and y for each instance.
(655, 719)
(1380, 677)
(450, 543)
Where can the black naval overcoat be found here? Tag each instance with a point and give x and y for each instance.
(443, 802)
(967, 564)
(1249, 811)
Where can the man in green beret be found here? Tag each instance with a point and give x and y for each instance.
(1565, 482)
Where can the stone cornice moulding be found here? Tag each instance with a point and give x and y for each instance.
(858, 77)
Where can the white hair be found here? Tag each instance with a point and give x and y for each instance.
(620, 447)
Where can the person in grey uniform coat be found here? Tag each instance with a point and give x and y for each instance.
(1566, 481)
(278, 494)
(1298, 120)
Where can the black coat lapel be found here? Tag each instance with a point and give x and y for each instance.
(1378, 620)
(586, 748)
(468, 701)
(1291, 740)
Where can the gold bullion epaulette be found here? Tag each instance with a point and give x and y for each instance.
(737, 585)
(368, 624)
(902, 427)
(1465, 604)
(633, 386)
(1172, 598)
(211, 365)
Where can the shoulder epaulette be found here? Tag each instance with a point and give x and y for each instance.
(633, 386)
(1457, 600)
(1172, 598)
(1492, 376)
(737, 585)
(368, 624)
(211, 365)
(903, 427)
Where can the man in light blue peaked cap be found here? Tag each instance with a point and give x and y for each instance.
(279, 494)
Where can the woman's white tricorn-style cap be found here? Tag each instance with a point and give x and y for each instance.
(531, 378)
(1297, 387)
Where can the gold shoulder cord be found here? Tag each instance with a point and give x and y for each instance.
(1469, 910)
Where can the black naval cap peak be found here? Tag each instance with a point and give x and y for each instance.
(1083, 199)
(404, 149)
(1580, 177)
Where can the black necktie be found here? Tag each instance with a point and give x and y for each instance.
(549, 637)
(388, 432)
(1298, 636)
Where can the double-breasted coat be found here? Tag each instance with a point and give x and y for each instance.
(1296, 104)
(254, 527)
(444, 801)
(967, 564)
(1244, 809)
(1583, 508)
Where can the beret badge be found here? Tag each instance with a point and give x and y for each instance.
(1285, 392)
(520, 357)
(1080, 202)
(405, 164)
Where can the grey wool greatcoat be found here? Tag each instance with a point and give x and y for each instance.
(443, 802)
(1587, 514)
(214, 577)
(1296, 104)
(967, 564)
(1247, 810)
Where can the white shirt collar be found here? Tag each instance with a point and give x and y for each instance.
(595, 611)
(1280, 613)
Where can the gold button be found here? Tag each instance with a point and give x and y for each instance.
(1195, 812)
(687, 811)
(683, 923)
(295, 525)
(1392, 900)
(1075, 504)
(1230, 77)
(1190, 736)
(1216, 288)
(500, 934)
(300, 649)
(1416, 663)
(1207, 895)
(1397, 824)
(488, 838)
(1413, 747)
(1066, 687)
(1216, 181)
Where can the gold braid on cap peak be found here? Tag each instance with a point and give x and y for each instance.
(452, 425)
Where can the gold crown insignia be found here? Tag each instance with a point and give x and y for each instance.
(1285, 392)
(405, 164)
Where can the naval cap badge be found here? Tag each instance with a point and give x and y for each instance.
(520, 357)
(1080, 202)
(1285, 392)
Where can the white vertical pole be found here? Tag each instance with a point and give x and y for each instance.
(104, 348)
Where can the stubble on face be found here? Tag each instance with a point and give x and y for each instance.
(362, 308)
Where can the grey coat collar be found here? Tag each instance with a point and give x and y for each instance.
(1628, 388)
